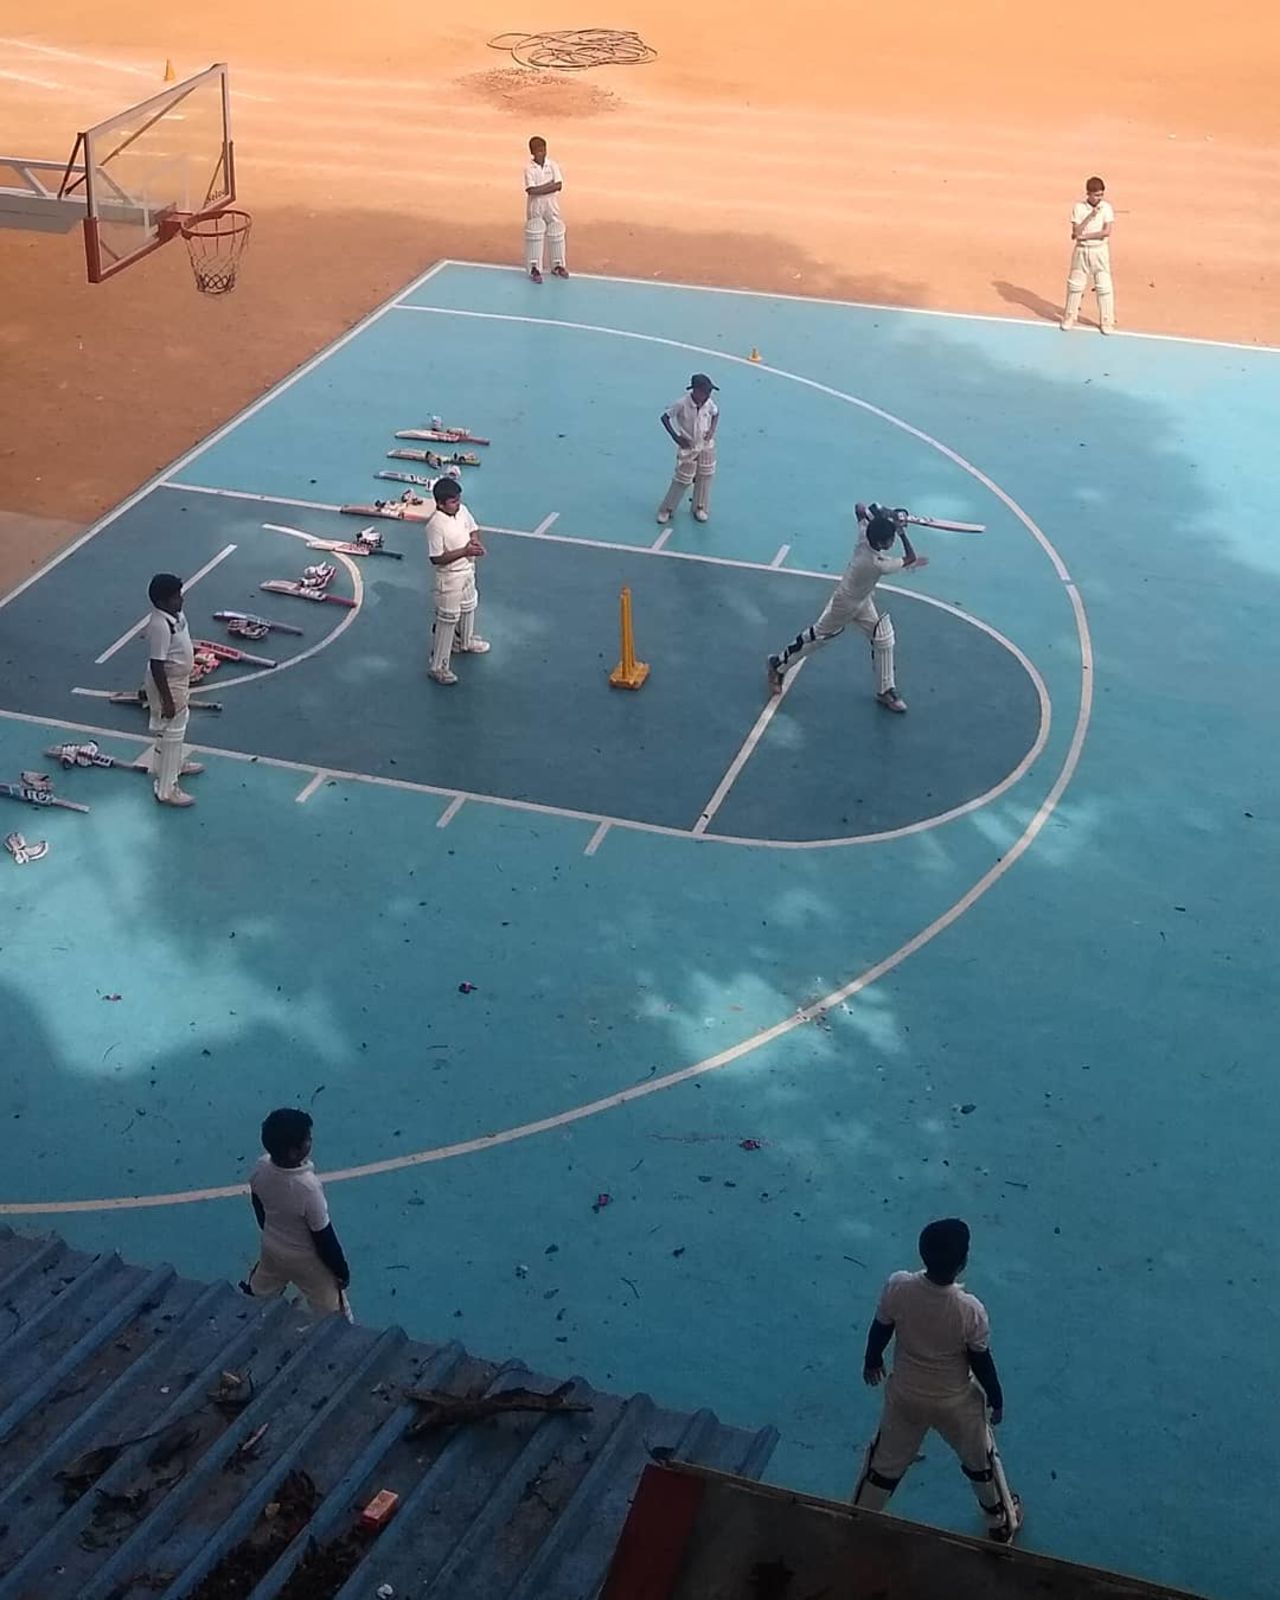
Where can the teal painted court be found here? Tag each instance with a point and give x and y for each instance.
(1007, 957)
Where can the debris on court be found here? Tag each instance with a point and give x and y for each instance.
(601, 1201)
(466, 988)
(750, 1144)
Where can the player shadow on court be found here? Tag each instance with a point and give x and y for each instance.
(1015, 295)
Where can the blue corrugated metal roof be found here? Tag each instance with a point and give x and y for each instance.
(94, 1353)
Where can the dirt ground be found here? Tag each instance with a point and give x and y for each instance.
(915, 154)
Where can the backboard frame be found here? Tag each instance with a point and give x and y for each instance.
(86, 178)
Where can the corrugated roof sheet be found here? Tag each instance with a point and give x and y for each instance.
(95, 1353)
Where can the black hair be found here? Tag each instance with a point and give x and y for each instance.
(882, 530)
(446, 489)
(537, 139)
(285, 1131)
(163, 587)
(1094, 183)
(944, 1248)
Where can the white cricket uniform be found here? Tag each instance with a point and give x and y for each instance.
(455, 585)
(168, 639)
(851, 603)
(543, 219)
(934, 1326)
(694, 423)
(1091, 263)
(295, 1206)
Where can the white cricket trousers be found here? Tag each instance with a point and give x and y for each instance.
(904, 1422)
(277, 1268)
(168, 750)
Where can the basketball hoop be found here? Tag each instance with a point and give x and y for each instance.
(215, 242)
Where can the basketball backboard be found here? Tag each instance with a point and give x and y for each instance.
(134, 178)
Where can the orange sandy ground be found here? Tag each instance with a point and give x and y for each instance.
(914, 152)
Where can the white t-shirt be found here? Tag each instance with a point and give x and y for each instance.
(1082, 211)
(866, 569)
(451, 533)
(535, 174)
(693, 422)
(169, 640)
(934, 1326)
(293, 1199)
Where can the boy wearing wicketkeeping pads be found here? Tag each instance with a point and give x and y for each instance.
(692, 421)
(943, 1378)
(851, 603)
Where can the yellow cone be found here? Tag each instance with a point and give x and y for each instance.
(170, 76)
(755, 354)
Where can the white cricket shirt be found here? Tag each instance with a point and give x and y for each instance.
(934, 1327)
(1082, 211)
(168, 639)
(294, 1202)
(694, 422)
(542, 205)
(866, 569)
(451, 533)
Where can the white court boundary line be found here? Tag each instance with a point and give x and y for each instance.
(747, 749)
(855, 305)
(187, 583)
(1004, 862)
(348, 617)
(251, 410)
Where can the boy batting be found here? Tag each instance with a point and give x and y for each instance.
(852, 603)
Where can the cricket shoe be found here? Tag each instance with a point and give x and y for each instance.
(535, 276)
(700, 515)
(1067, 324)
(1006, 1530)
(560, 272)
(442, 675)
(773, 674)
(477, 647)
(891, 700)
(663, 518)
(178, 798)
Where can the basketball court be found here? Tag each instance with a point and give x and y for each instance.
(643, 1031)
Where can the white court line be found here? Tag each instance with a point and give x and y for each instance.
(660, 543)
(303, 795)
(251, 410)
(112, 66)
(349, 615)
(39, 83)
(856, 305)
(781, 556)
(451, 810)
(597, 839)
(244, 494)
(138, 626)
(547, 522)
(744, 754)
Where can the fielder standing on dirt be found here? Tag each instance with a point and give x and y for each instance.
(543, 182)
(1091, 223)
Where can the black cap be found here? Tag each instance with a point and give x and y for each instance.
(701, 381)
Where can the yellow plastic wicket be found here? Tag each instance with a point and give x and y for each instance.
(629, 673)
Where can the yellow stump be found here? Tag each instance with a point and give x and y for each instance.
(629, 673)
(755, 354)
(170, 76)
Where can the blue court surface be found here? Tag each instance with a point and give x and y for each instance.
(1007, 957)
